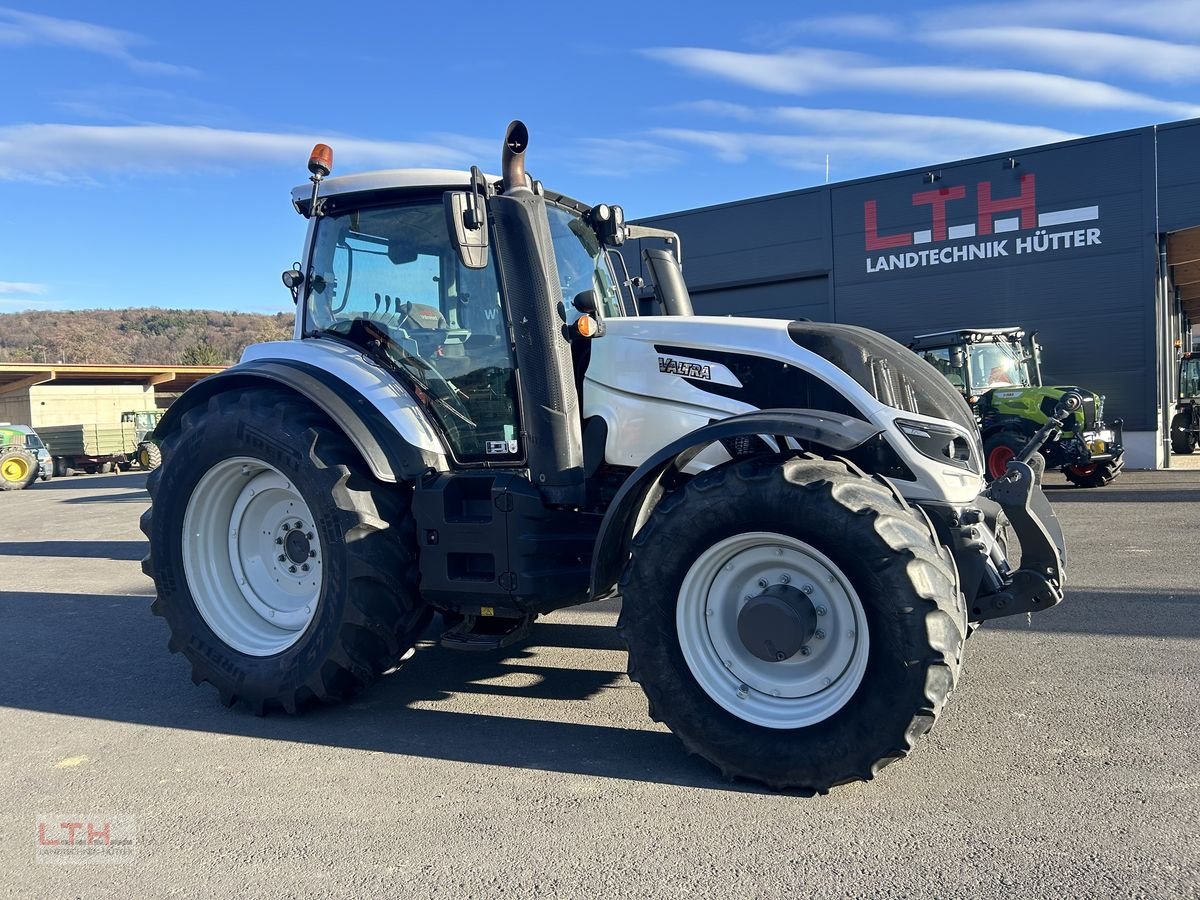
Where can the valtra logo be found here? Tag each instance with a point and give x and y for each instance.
(992, 216)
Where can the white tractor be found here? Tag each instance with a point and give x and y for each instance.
(472, 420)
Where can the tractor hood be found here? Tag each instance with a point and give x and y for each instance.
(655, 379)
(742, 364)
(1036, 404)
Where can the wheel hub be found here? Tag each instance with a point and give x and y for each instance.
(772, 629)
(776, 624)
(297, 546)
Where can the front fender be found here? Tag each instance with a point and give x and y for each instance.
(643, 489)
(388, 455)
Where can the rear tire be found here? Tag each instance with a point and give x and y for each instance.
(879, 583)
(1183, 439)
(149, 456)
(1094, 475)
(355, 620)
(18, 469)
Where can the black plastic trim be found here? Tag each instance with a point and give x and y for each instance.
(766, 383)
(836, 432)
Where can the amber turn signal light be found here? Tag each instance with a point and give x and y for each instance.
(586, 326)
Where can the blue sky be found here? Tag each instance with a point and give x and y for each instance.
(147, 151)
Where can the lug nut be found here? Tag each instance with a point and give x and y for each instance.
(805, 651)
(281, 558)
(279, 540)
(820, 635)
(299, 525)
(309, 535)
(304, 568)
(292, 569)
(821, 610)
(785, 578)
(762, 582)
(808, 589)
(312, 554)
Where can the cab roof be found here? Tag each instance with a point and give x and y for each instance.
(969, 335)
(384, 180)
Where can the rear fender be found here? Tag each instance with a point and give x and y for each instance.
(643, 489)
(390, 457)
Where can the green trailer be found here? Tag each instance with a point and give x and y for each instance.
(91, 448)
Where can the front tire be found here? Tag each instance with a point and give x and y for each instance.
(248, 479)
(18, 469)
(812, 531)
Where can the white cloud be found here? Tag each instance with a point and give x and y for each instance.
(807, 71)
(23, 29)
(1171, 18)
(853, 136)
(21, 287)
(1088, 52)
(66, 153)
(961, 136)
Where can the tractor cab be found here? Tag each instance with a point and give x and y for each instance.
(978, 360)
(1185, 423)
(144, 421)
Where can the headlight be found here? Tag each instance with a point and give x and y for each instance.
(939, 443)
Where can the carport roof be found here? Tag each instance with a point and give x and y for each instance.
(1183, 256)
(168, 379)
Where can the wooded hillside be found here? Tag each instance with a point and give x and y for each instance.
(147, 335)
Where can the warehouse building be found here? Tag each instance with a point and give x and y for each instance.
(1093, 243)
(68, 394)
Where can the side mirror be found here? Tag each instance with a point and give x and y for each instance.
(958, 358)
(466, 221)
(669, 287)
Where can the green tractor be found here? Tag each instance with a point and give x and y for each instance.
(998, 370)
(148, 454)
(1185, 425)
(21, 460)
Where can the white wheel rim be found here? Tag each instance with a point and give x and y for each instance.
(792, 693)
(243, 515)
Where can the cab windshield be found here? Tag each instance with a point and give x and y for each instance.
(997, 365)
(582, 263)
(975, 368)
(387, 279)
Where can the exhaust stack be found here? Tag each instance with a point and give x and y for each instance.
(512, 158)
(552, 437)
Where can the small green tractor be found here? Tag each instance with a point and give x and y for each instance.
(148, 454)
(998, 371)
(23, 458)
(1185, 425)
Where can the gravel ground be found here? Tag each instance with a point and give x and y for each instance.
(1065, 764)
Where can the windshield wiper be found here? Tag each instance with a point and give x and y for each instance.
(378, 344)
